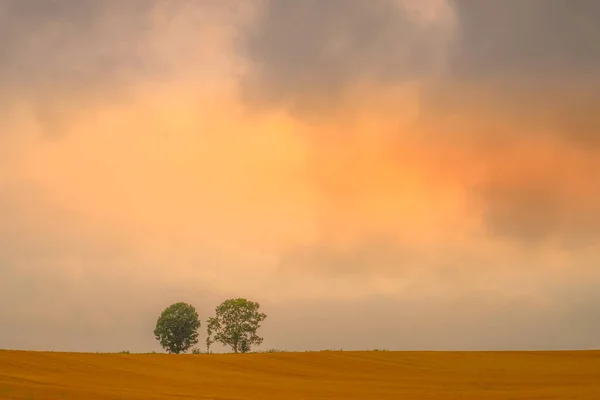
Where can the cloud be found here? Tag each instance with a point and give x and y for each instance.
(51, 51)
(67, 44)
(348, 43)
(528, 94)
(475, 321)
(530, 39)
(536, 148)
(544, 197)
(63, 56)
(390, 173)
(390, 42)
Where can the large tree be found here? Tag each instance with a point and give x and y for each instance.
(177, 328)
(235, 324)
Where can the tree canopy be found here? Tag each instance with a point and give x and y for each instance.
(235, 324)
(177, 328)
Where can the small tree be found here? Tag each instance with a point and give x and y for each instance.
(235, 324)
(177, 328)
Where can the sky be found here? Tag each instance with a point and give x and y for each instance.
(385, 174)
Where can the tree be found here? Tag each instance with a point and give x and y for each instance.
(177, 328)
(235, 324)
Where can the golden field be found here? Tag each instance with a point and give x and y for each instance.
(311, 375)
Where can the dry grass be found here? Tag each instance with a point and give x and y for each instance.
(320, 375)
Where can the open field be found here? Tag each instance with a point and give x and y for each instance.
(313, 375)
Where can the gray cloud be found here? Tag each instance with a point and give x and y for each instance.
(305, 54)
(66, 44)
(526, 38)
(533, 63)
(63, 55)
